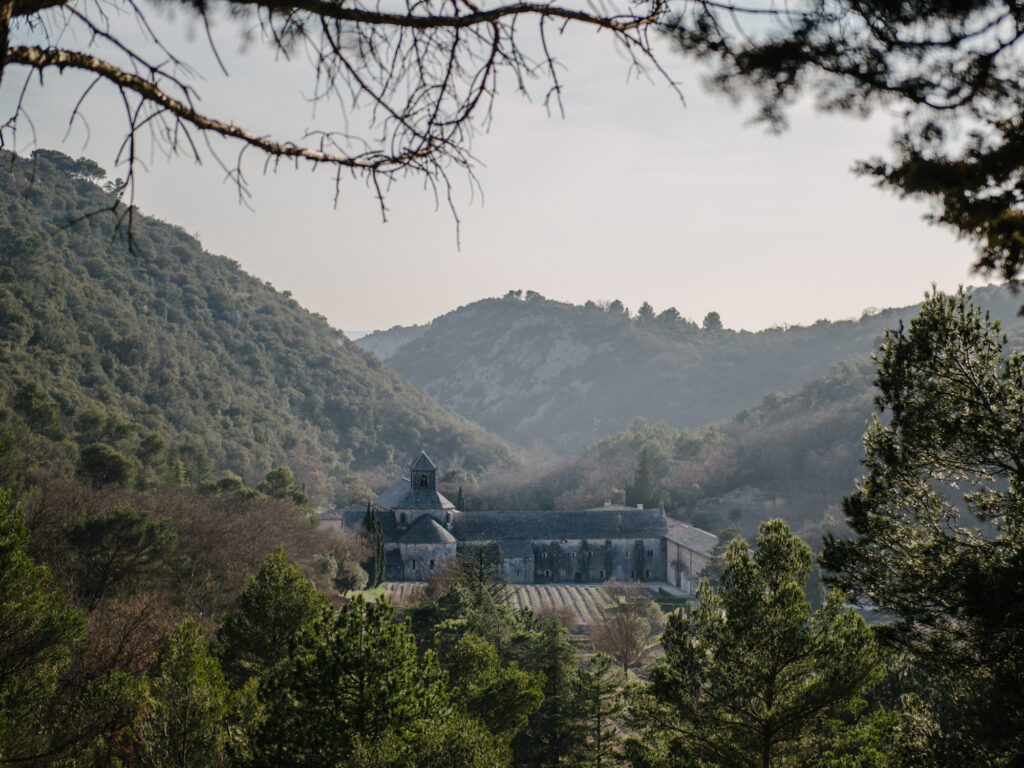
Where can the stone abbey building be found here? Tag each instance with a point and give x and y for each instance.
(423, 530)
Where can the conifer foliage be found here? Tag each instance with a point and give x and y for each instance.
(751, 677)
(939, 520)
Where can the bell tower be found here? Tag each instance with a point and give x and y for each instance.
(422, 474)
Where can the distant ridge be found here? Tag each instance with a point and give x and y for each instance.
(541, 373)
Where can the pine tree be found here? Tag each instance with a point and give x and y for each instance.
(254, 640)
(185, 715)
(939, 522)
(359, 693)
(38, 631)
(602, 710)
(751, 677)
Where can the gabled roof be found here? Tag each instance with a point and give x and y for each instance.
(691, 538)
(600, 523)
(426, 530)
(423, 464)
(353, 518)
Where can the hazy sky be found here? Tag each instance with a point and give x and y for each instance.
(631, 196)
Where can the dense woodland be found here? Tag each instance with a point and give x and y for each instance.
(231, 374)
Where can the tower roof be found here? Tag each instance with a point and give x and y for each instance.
(426, 531)
(423, 464)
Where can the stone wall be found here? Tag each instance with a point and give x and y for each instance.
(584, 561)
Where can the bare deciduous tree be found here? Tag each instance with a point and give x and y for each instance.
(414, 79)
(631, 624)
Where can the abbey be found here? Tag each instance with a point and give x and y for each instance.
(423, 530)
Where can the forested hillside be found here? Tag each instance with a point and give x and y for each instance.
(794, 456)
(560, 376)
(186, 345)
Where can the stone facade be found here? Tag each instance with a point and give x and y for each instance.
(423, 531)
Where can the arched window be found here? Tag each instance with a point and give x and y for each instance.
(647, 573)
(423, 481)
(602, 573)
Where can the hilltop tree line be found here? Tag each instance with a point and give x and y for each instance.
(669, 320)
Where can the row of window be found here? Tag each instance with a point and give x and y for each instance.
(650, 554)
(561, 574)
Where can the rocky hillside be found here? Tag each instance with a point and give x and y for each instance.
(188, 345)
(543, 373)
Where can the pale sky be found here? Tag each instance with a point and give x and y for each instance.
(631, 196)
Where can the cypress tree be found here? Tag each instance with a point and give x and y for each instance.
(374, 566)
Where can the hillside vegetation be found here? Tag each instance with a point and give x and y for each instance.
(795, 455)
(186, 345)
(541, 373)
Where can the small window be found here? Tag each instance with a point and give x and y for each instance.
(647, 573)
(423, 481)
(518, 573)
(627, 554)
(573, 555)
(650, 553)
(431, 563)
(414, 565)
(632, 574)
(602, 573)
(547, 574)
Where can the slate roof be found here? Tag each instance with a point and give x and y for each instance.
(600, 523)
(423, 464)
(513, 531)
(401, 495)
(426, 531)
(353, 518)
(691, 538)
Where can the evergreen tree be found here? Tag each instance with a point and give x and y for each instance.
(939, 522)
(460, 500)
(602, 710)
(643, 489)
(280, 483)
(358, 693)
(255, 640)
(121, 547)
(712, 322)
(374, 532)
(556, 734)
(185, 715)
(500, 696)
(645, 315)
(38, 631)
(751, 677)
